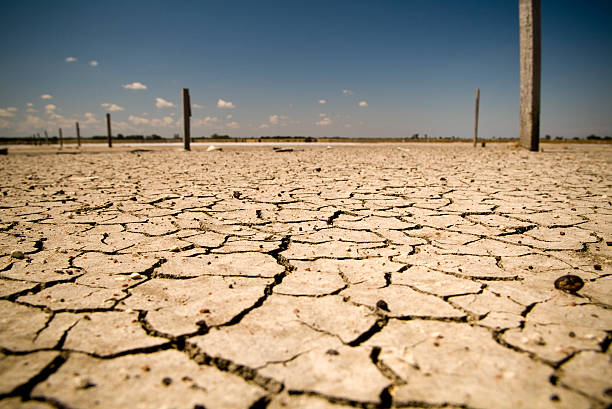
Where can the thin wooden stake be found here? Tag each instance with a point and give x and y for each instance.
(108, 129)
(78, 133)
(186, 116)
(46, 138)
(61, 138)
(476, 116)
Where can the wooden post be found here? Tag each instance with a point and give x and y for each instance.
(61, 138)
(530, 38)
(186, 116)
(78, 133)
(108, 129)
(46, 138)
(476, 116)
(38, 137)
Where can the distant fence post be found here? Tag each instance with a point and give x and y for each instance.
(108, 129)
(46, 137)
(38, 137)
(531, 59)
(61, 138)
(476, 116)
(78, 133)
(186, 116)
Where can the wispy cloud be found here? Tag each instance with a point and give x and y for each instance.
(70, 59)
(322, 101)
(6, 113)
(233, 125)
(274, 119)
(162, 103)
(206, 121)
(30, 107)
(363, 104)
(90, 119)
(324, 122)
(46, 96)
(224, 104)
(112, 107)
(136, 120)
(197, 106)
(263, 126)
(165, 121)
(135, 85)
(230, 116)
(93, 63)
(347, 92)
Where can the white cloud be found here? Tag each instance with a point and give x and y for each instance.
(70, 59)
(35, 122)
(322, 101)
(274, 119)
(135, 85)
(233, 125)
(230, 116)
(206, 121)
(197, 106)
(46, 96)
(50, 109)
(263, 126)
(5, 124)
(90, 119)
(347, 92)
(363, 104)
(29, 104)
(322, 115)
(136, 120)
(162, 103)
(165, 121)
(12, 109)
(348, 125)
(112, 107)
(324, 122)
(30, 109)
(224, 104)
(93, 63)
(6, 113)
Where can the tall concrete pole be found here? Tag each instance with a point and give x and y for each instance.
(186, 116)
(476, 117)
(531, 59)
(78, 133)
(108, 129)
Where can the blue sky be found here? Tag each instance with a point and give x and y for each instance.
(348, 68)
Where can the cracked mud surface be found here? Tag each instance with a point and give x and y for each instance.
(356, 276)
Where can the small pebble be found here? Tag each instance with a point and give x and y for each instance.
(382, 304)
(166, 381)
(18, 254)
(569, 283)
(332, 352)
(136, 276)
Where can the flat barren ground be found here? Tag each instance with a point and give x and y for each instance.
(349, 276)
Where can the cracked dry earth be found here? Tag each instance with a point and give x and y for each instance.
(356, 276)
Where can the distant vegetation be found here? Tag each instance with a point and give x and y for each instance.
(288, 138)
